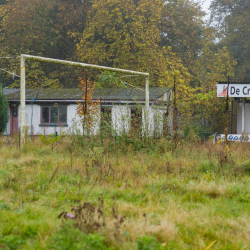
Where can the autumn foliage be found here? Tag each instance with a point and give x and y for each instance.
(154, 36)
(88, 108)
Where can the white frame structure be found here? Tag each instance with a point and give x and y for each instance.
(70, 63)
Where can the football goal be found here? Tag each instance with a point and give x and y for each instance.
(68, 63)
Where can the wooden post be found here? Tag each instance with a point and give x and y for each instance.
(227, 109)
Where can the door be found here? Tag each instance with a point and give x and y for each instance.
(14, 120)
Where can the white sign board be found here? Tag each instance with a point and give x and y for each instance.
(231, 137)
(235, 90)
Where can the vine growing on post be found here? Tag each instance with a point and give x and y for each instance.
(87, 109)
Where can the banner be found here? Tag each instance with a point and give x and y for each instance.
(235, 90)
(231, 137)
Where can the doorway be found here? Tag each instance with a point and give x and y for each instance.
(13, 120)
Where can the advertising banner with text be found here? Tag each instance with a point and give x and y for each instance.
(232, 137)
(235, 90)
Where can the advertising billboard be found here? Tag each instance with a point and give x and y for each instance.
(232, 137)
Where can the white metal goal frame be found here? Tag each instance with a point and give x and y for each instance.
(70, 63)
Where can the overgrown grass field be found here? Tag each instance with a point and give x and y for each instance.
(113, 197)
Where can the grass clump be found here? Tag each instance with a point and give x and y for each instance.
(70, 238)
(149, 243)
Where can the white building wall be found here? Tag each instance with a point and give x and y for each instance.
(73, 120)
(158, 116)
(150, 122)
(32, 120)
(96, 123)
(156, 120)
(120, 120)
(247, 118)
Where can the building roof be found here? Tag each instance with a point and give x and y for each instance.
(10, 91)
(108, 94)
(233, 82)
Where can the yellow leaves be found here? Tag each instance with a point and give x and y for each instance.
(89, 107)
(228, 149)
(219, 141)
(127, 44)
(175, 73)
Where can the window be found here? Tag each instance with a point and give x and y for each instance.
(54, 115)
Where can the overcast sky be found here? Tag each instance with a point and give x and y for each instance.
(206, 4)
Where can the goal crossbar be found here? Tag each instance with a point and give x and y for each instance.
(69, 63)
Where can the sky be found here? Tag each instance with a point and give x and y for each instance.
(206, 4)
(205, 7)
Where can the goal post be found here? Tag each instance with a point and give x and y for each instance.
(69, 63)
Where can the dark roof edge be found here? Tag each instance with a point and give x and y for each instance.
(233, 82)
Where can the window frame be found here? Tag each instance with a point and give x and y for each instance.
(52, 123)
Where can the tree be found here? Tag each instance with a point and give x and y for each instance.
(88, 108)
(232, 22)
(49, 28)
(202, 102)
(182, 28)
(4, 117)
(212, 66)
(125, 34)
(109, 79)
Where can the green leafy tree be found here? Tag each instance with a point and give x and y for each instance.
(109, 79)
(4, 117)
(182, 27)
(231, 19)
(212, 66)
(49, 28)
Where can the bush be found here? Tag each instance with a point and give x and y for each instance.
(148, 243)
(4, 105)
(51, 139)
(12, 242)
(69, 237)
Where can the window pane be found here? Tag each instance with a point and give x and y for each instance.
(63, 115)
(45, 114)
(53, 114)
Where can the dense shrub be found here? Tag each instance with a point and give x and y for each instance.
(4, 117)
